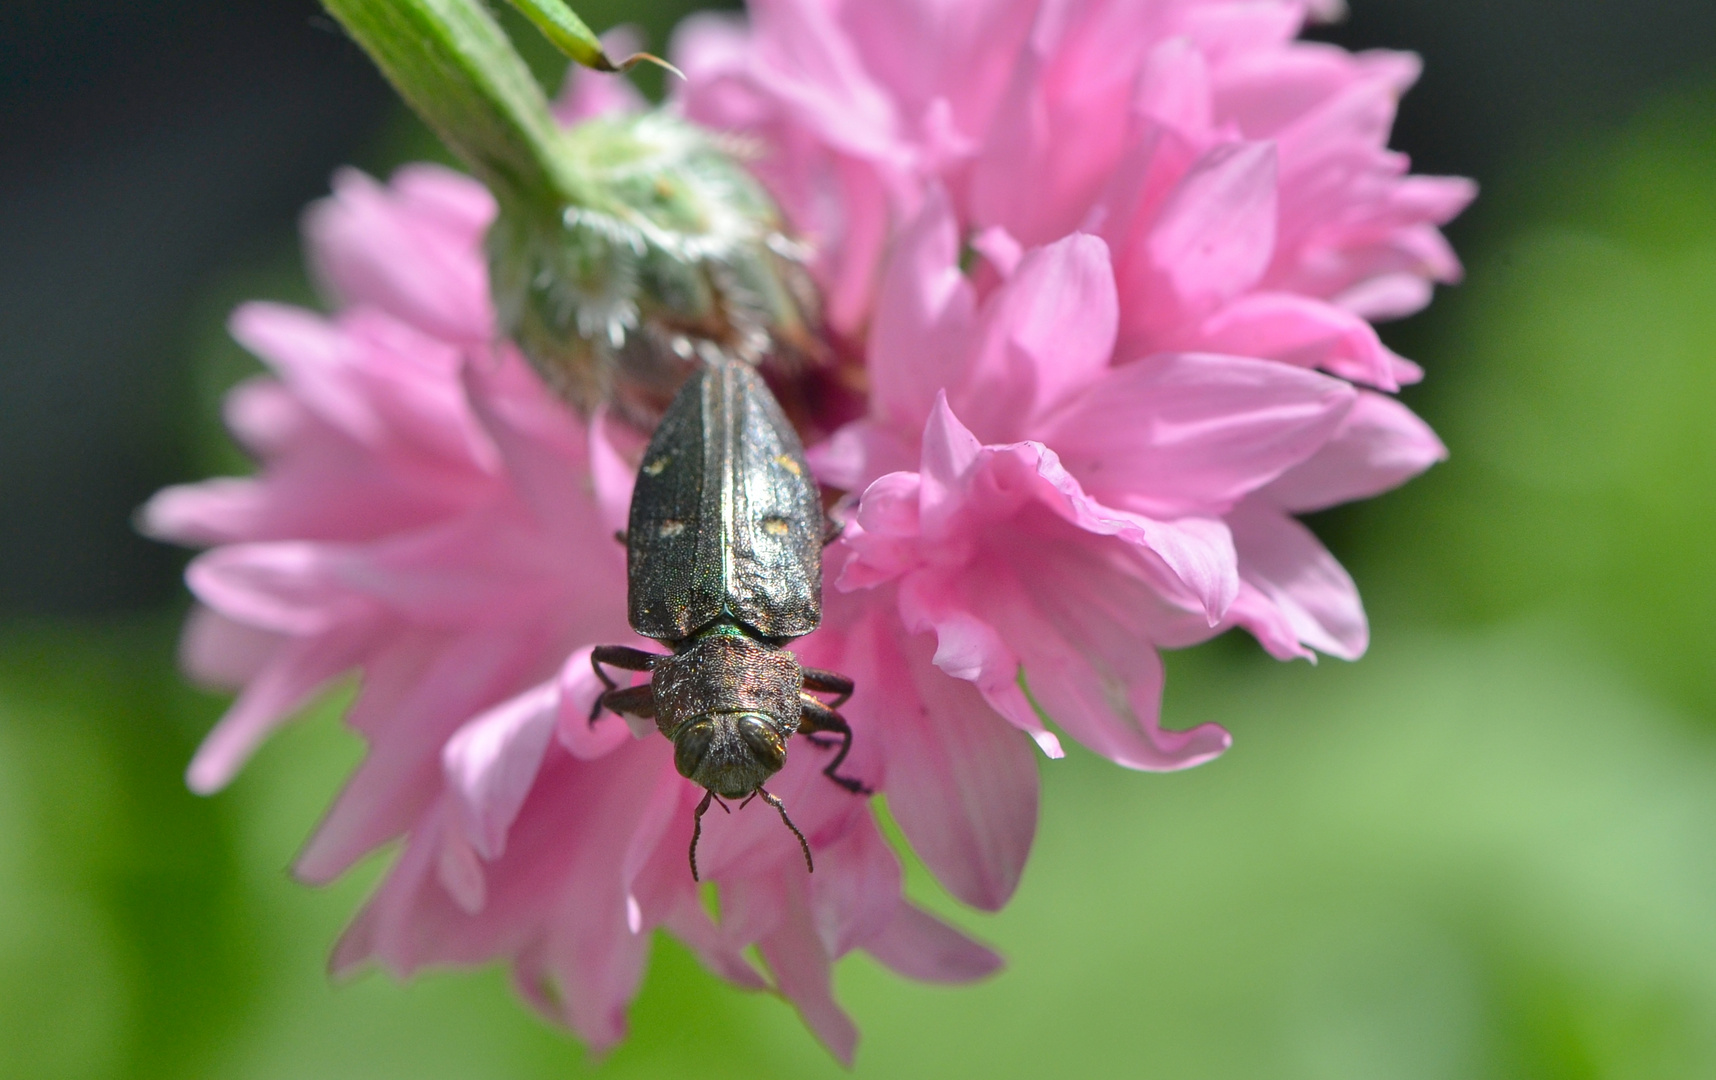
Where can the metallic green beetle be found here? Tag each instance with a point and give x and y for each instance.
(724, 565)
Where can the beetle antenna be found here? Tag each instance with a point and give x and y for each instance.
(697, 831)
(775, 802)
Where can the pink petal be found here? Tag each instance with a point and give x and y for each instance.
(1081, 635)
(491, 761)
(1380, 445)
(854, 893)
(920, 946)
(1216, 234)
(1302, 331)
(296, 671)
(284, 588)
(223, 653)
(579, 689)
(804, 59)
(312, 357)
(859, 453)
(803, 973)
(1046, 334)
(372, 247)
(1268, 624)
(408, 715)
(961, 783)
(1286, 564)
(1174, 88)
(924, 311)
(1387, 296)
(1191, 434)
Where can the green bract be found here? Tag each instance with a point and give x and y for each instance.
(622, 247)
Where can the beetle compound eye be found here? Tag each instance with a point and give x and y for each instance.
(762, 741)
(690, 747)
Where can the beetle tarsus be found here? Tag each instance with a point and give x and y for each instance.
(822, 726)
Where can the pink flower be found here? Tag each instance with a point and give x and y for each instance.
(428, 515)
(1103, 271)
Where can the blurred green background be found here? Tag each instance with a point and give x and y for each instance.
(1486, 850)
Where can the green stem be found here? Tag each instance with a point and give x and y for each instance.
(455, 66)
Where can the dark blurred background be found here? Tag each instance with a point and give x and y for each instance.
(1487, 850)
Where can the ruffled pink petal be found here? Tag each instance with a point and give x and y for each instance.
(957, 53)
(1268, 624)
(1386, 296)
(578, 690)
(285, 588)
(1174, 89)
(1191, 434)
(1288, 566)
(1079, 630)
(566, 853)
(855, 892)
(314, 360)
(804, 59)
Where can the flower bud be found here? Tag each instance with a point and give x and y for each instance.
(668, 248)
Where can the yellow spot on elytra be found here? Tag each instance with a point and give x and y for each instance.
(786, 462)
(671, 528)
(655, 467)
(776, 526)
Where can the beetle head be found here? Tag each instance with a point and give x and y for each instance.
(731, 754)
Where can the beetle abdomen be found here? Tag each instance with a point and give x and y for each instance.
(726, 520)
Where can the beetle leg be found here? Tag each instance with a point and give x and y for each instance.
(637, 700)
(621, 656)
(831, 530)
(828, 682)
(817, 717)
